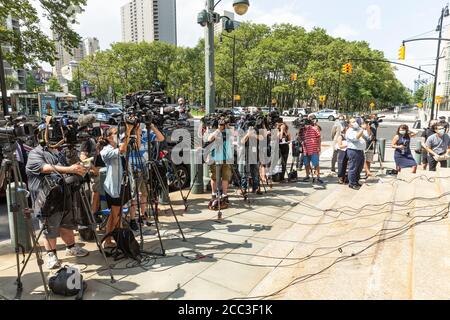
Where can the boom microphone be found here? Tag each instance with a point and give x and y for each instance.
(86, 120)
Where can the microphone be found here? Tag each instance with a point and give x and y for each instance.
(86, 120)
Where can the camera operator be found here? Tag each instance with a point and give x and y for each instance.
(356, 137)
(184, 110)
(43, 161)
(252, 159)
(312, 142)
(220, 158)
(116, 195)
(335, 134)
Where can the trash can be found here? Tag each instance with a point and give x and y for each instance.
(19, 199)
(382, 148)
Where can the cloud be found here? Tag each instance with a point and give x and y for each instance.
(344, 31)
(373, 17)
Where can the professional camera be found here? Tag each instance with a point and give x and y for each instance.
(212, 120)
(16, 128)
(274, 118)
(302, 122)
(373, 122)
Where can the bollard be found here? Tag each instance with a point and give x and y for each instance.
(206, 178)
(19, 199)
(196, 172)
(382, 148)
(418, 156)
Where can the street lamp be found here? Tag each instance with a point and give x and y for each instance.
(241, 6)
(208, 18)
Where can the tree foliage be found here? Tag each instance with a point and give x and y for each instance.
(31, 44)
(265, 58)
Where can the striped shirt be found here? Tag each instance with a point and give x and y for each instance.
(311, 144)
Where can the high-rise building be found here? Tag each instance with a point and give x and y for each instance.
(18, 74)
(64, 57)
(219, 27)
(149, 20)
(91, 45)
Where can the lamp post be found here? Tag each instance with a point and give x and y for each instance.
(208, 18)
(444, 13)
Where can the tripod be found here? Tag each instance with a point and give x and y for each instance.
(86, 208)
(11, 173)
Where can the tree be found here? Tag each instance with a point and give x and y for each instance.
(31, 44)
(31, 83)
(11, 82)
(419, 95)
(53, 85)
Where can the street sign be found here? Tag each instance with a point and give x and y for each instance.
(438, 99)
(85, 83)
(237, 97)
(420, 105)
(372, 105)
(274, 101)
(323, 98)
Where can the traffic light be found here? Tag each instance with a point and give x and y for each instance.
(402, 52)
(347, 68)
(294, 77)
(344, 68)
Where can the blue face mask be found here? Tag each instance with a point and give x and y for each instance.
(441, 132)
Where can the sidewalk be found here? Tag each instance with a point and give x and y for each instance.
(273, 247)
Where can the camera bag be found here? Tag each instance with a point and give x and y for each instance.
(127, 246)
(59, 284)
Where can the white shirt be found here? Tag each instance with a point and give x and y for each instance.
(353, 143)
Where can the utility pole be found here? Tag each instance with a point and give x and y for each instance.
(3, 84)
(210, 91)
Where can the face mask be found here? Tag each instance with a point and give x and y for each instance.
(441, 132)
(402, 133)
(355, 125)
(115, 139)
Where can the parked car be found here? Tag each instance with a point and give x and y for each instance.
(295, 112)
(106, 114)
(329, 114)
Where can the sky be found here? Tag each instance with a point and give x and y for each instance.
(382, 23)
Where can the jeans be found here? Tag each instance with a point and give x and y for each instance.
(355, 166)
(254, 175)
(342, 163)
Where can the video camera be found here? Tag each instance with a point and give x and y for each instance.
(273, 119)
(212, 120)
(375, 122)
(71, 130)
(16, 128)
(302, 122)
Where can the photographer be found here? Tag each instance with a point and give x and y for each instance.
(251, 145)
(428, 132)
(42, 162)
(335, 134)
(220, 157)
(371, 142)
(356, 137)
(116, 194)
(184, 110)
(312, 142)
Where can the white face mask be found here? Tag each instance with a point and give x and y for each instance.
(355, 125)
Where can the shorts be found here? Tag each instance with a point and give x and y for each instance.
(311, 159)
(95, 184)
(117, 202)
(58, 220)
(141, 187)
(368, 155)
(225, 172)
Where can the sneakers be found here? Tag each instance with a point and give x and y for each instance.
(307, 179)
(354, 187)
(133, 225)
(76, 251)
(52, 261)
(319, 181)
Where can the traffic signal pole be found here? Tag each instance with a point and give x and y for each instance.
(3, 84)
(441, 21)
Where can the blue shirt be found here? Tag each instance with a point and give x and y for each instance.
(222, 149)
(353, 143)
(114, 170)
(138, 157)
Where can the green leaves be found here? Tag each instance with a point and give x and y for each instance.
(31, 45)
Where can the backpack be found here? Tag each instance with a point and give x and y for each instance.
(127, 246)
(59, 283)
(54, 196)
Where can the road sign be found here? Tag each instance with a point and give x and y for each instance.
(323, 98)
(438, 99)
(274, 101)
(85, 83)
(420, 105)
(237, 97)
(372, 105)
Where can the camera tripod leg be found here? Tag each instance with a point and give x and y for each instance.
(161, 182)
(93, 226)
(190, 190)
(243, 193)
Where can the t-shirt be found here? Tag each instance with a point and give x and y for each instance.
(311, 141)
(438, 144)
(137, 158)
(222, 149)
(37, 158)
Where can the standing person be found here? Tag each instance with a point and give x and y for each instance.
(444, 123)
(117, 195)
(220, 157)
(371, 142)
(428, 132)
(183, 110)
(284, 137)
(342, 146)
(437, 145)
(311, 150)
(44, 161)
(335, 134)
(402, 145)
(355, 151)
(251, 145)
